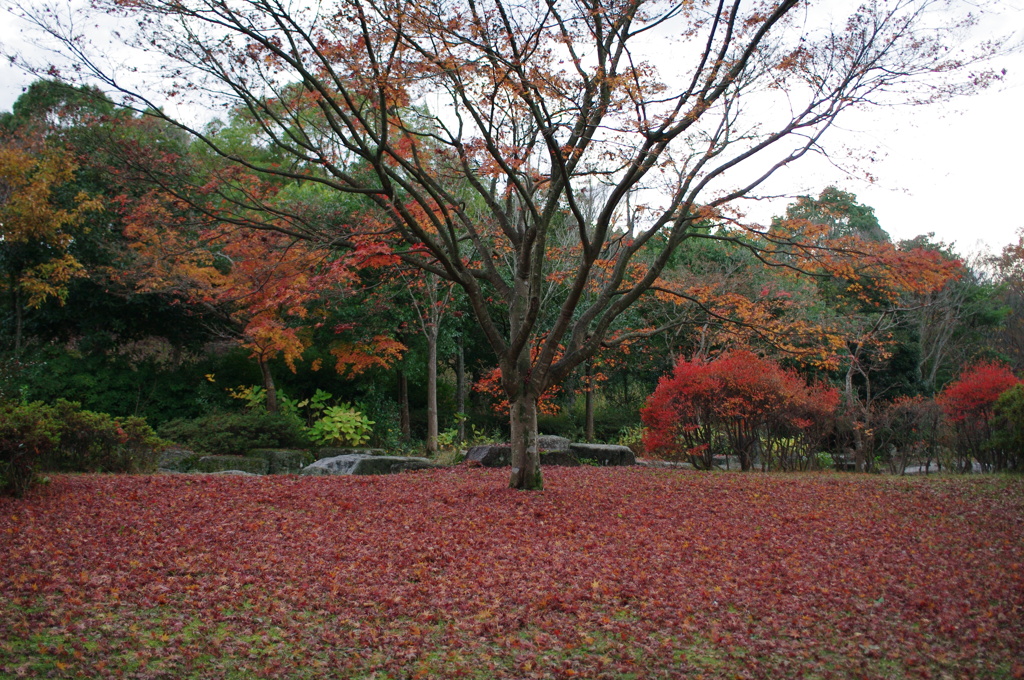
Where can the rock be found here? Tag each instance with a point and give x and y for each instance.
(677, 465)
(603, 454)
(256, 466)
(553, 451)
(283, 461)
(360, 464)
(490, 455)
(334, 451)
(550, 442)
(565, 458)
(240, 473)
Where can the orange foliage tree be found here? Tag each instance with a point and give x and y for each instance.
(272, 287)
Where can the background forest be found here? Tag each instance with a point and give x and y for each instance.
(125, 289)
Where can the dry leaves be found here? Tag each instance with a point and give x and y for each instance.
(612, 573)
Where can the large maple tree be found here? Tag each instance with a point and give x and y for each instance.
(477, 128)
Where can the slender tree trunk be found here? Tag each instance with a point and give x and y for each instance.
(403, 402)
(268, 385)
(853, 408)
(460, 388)
(589, 403)
(432, 389)
(16, 307)
(526, 472)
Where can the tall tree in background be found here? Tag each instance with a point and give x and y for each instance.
(36, 230)
(1008, 269)
(529, 104)
(955, 323)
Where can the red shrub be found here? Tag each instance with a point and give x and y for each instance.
(973, 394)
(739, 404)
(967, 404)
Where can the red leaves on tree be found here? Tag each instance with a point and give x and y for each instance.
(972, 395)
(739, 404)
(967, 404)
(630, 572)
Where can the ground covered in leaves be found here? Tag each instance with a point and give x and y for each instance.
(610, 573)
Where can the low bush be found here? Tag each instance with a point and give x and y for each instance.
(27, 433)
(235, 433)
(97, 442)
(35, 437)
(341, 425)
(968, 403)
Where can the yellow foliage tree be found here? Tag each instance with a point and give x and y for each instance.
(36, 230)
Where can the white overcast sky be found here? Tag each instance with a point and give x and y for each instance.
(953, 169)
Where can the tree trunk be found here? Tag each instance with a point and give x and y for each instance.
(432, 390)
(18, 310)
(460, 389)
(268, 385)
(589, 403)
(403, 401)
(526, 472)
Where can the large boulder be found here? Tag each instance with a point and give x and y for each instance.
(550, 442)
(283, 461)
(562, 457)
(490, 455)
(553, 451)
(256, 466)
(603, 454)
(361, 464)
(335, 451)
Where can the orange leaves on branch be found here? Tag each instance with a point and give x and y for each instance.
(380, 351)
(49, 279)
(273, 287)
(743, 313)
(168, 257)
(490, 385)
(873, 271)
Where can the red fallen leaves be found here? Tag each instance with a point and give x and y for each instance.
(443, 574)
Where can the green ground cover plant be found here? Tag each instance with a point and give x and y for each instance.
(612, 573)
